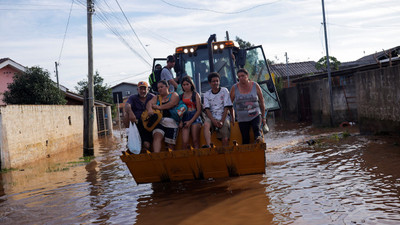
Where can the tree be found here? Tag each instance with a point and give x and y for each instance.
(333, 62)
(34, 86)
(245, 44)
(101, 92)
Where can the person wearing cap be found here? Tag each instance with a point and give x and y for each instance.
(134, 108)
(166, 74)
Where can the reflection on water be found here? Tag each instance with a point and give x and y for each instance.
(355, 180)
(351, 181)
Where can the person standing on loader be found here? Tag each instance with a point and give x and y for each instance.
(166, 74)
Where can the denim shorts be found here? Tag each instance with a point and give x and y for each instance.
(189, 115)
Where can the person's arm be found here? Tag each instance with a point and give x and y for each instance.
(210, 116)
(129, 115)
(208, 111)
(232, 112)
(173, 82)
(261, 103)
(125, 121)
(226, 109)
(172, 102)
(198, 111)
(149, 105)
(232, 93)
(167, 75)
(227, 105)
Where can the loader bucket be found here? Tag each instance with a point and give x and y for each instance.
(201, 163)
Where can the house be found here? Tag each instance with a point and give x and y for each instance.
(290, 71)
(125, 89)
(364, 91)
(8, 68)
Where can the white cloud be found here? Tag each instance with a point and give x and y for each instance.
(34, 36)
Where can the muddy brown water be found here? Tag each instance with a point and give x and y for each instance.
(337, 180)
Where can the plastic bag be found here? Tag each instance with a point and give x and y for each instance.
(134, 141)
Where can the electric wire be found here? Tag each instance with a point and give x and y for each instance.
(110, 20)
(131, 76)
(132, 28)
(65, 33)
(220, 12)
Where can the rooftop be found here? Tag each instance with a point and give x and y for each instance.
(294, 69)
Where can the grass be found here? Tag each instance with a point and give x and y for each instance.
(50, 170)
(83, 160)
(339, 136)
(7, 170)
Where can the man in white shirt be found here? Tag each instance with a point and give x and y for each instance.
(217, 103)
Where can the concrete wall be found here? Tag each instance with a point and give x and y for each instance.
(378, 96)
(31, 132)
(289, 103)
(344, 101)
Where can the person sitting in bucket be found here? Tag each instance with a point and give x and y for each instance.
(134, 108)
(217, 103)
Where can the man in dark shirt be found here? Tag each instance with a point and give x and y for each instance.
(134, 108)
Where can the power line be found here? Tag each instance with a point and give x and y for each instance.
(65, 33)
(131, 76)
(132, 28)
(27, 9)
(220, 12)
(105, 19)
(364, 27)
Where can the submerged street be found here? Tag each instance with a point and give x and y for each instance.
(340, 178)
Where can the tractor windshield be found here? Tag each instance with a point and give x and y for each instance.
(197, 66)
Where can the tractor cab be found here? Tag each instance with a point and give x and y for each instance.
(225, 57)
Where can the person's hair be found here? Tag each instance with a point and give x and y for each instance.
(158, 67)
(170, 58)
(212, 75)
(164, 82)
(243, 70)
(190, 81)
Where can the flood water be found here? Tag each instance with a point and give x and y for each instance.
(336, 180)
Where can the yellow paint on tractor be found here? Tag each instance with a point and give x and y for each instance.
(215, 162)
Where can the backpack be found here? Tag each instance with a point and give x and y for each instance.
(154, 78)
(177, 111)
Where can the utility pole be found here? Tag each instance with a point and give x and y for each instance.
(328, 66)
(89, 99)
(287, 74)
(58, 83)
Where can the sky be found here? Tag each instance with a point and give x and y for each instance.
(128, 34)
